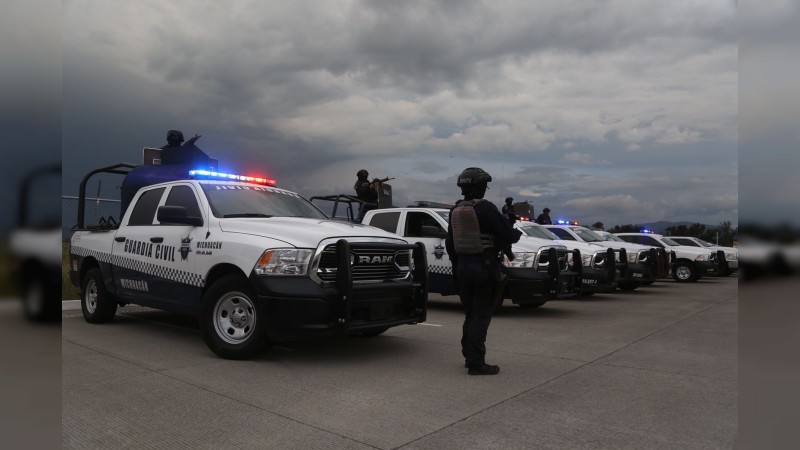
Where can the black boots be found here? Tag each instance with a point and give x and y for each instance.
(485, 369)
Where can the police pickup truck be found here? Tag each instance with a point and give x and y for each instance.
(642, 264)
(537, 274)
(691, 263)
(600, 267)
(254, 262)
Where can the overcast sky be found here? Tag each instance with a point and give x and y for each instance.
(617, 111)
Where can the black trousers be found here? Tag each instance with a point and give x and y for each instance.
(475, 287)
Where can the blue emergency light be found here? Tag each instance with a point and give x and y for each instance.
(211, 175)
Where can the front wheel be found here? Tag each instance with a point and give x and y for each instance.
(232, 322)
(97, 304)
(532, 304)
(684, 272)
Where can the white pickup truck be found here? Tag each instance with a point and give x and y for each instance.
(691, 263)
(642, 267)
(256, 263)
(532, 281)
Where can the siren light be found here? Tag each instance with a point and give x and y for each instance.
(211, 175)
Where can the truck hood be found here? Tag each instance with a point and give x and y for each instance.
(305, 233)
(628, 246)
(533, 244)
(686, 251)
(586, 248)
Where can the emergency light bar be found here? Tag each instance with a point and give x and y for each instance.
(210, 175)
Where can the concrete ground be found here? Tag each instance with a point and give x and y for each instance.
(652, 368)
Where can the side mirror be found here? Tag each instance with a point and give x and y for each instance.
(432, 232)
(177, 215)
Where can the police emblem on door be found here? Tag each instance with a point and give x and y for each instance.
(185, 247)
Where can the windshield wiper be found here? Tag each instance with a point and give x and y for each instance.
(226, 216)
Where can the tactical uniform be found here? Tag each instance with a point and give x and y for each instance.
(366, 192)
(178, 153)
(544, 217)
(476, 233)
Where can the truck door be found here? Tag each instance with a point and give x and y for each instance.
(439, 268)
(152, 261)
(132, 253)
(180, 251)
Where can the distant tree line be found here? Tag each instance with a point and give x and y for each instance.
(724, 232)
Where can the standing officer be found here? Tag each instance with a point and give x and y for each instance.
(508, 210)
(365, 191)
(544, 217)
(186, 154)
(476, 233)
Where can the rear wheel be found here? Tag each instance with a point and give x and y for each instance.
(97, 304)
(232, 322)
(39, 302)
(684, 272)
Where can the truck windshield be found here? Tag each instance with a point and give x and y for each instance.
(241, 200)
(611, 237)
(587, 235)
(669, 242)
(539, 232)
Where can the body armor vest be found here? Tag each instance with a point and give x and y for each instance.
(467, 237)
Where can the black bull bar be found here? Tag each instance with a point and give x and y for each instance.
(412, 296)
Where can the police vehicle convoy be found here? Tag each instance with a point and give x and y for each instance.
(532, 278)
(642, 267)
(254, 262)
(691, 263)
(600, 267)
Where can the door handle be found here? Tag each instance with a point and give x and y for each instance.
(119, 239)
(157, 239)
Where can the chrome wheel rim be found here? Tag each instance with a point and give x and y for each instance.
(234, 318)
(90, 296)
(683, 273)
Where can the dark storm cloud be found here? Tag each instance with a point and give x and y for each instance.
(419, 90)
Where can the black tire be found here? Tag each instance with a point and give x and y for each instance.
(684, 272)
(628, 286)
(532, 304)
(232, 321)
(39, 302)
(97, 304)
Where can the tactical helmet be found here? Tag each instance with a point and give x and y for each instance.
(473, 176)
(174, 135)
(362, 173)
(546, 210)
(509, 199)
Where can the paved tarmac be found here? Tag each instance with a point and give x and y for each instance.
(652, 368)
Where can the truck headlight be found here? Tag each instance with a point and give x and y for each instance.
(632, 257)
(731, 256)
(586, 260)
(701, 257)
(521, 260)
(284, 261)
(599, 260)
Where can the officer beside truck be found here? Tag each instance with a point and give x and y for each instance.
(476, 233)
